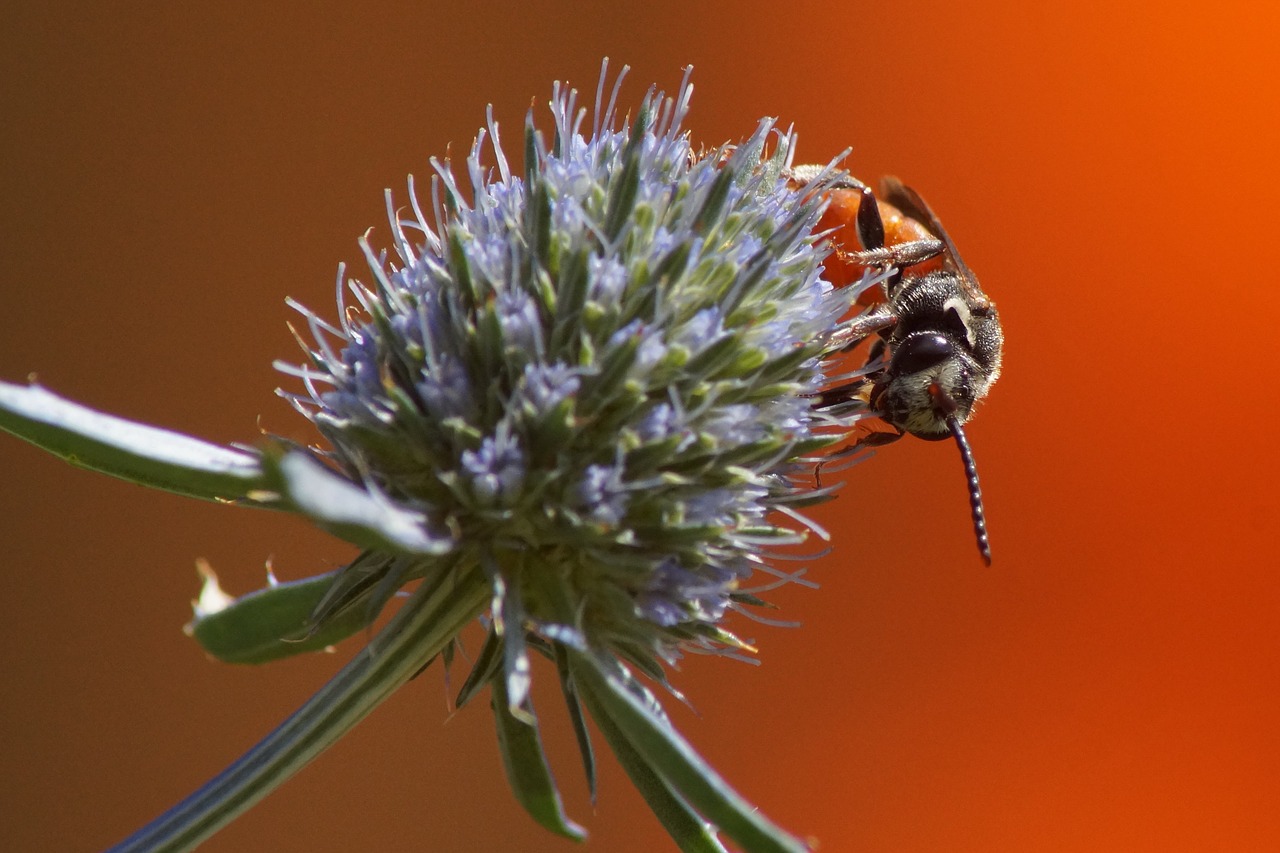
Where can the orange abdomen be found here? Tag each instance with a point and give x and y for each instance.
(842, 215)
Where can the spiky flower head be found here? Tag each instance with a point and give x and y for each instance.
(593, 379)
(581, 401)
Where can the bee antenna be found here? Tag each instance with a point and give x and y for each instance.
(975, 491)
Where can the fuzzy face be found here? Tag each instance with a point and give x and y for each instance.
(921, 400)
(945, 356)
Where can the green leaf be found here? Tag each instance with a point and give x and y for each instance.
(427, 623)
(487, 663)
(683, 824)
(577, 717)
(509, 620)
(271, 623)
(142, 454)
(346, 510)
(624, 189)
(526, 765)
(352, 585)
(713, 205)
(670, 757)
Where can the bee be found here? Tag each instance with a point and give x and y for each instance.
(937, 336)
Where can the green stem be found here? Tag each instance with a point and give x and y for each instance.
(420, 630)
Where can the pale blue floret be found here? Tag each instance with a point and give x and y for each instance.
(734, 425)
(521, 325)
(445, 390)
(702, 329)
(602, 494)
(496, 470)
(607, 277)
(658, 423)
(653, 348)
(546, 386)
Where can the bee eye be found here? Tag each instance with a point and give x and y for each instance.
(920, 352)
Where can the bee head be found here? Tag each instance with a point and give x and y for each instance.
(929, 391)
(929, 382)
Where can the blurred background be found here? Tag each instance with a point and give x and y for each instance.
(168, 177)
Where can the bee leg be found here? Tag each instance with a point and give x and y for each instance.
(874, 439)
(898, 255)
(846, 393)
(842, 180)
(875, 352)
(877, 439)
(871, 234)
(827, 460)
(870, 322)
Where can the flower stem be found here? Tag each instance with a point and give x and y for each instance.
(420, 630)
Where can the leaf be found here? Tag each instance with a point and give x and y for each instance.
(353, 585)
(671, 757)
(429, 620)
(142, 454)
(526, 765)
(517, 678)
(487, 663)
(346, 510)
(577, 717)
(683, 824)
(271, 623)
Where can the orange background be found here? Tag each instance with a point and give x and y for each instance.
(1110, 171)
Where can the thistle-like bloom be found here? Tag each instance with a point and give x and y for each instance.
(580, 401)
(590, 381)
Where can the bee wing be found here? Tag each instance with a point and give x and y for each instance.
(909, 202)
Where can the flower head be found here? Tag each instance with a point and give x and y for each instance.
(593, 378)
(581, 401)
